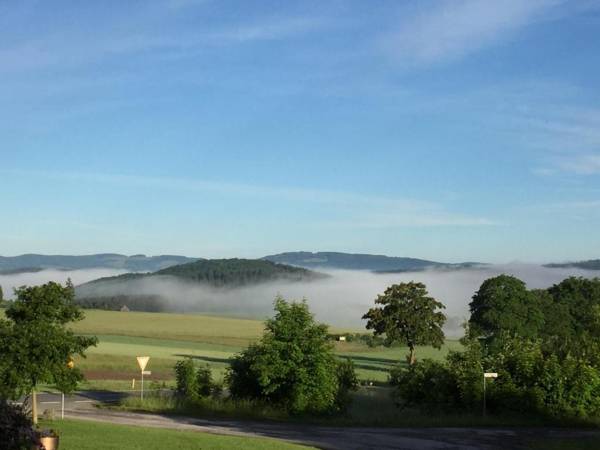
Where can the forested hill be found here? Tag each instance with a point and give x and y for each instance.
(591, 264)
(135, 263)
(220, 273)
(358, 261)
(238, 272)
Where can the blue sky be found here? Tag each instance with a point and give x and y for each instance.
(459, 130)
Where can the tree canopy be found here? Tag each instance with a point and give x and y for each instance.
(407, 315)
(503, 304)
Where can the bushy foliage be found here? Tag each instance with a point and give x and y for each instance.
(293, 365)
(347, 383)
(544, 345)
(204, 381)
(573, 318)
(528, 381)
(504, 305)
(193, 383)
(16, 432)
(185, 379)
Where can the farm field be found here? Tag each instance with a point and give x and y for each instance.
(167, 338)
(81, 435)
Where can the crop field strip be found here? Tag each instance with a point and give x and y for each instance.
(168, 337)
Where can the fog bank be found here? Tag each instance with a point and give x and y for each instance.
(339, 300)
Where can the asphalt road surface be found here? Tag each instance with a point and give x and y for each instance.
(81, 406)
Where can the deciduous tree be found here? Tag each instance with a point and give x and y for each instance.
(408, 315)
(35, 343)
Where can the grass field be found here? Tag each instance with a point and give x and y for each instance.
(80, 435)
(167, 338)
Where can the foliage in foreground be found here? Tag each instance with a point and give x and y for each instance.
(16, 432)
(293, 365)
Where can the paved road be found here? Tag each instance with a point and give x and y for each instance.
(81, 407)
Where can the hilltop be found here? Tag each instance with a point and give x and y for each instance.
(359, 261)
(148, 291)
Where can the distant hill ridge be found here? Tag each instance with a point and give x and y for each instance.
(590, 264)
(359, 261)
(143, 263)
(135, 263)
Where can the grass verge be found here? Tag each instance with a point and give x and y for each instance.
(83, 435)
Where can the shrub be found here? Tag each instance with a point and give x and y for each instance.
(204, 382)
(529, 381)
(347, 383)
(186, 379)
(293, 365)
(15, 428)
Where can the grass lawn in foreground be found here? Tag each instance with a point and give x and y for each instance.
(83, 435)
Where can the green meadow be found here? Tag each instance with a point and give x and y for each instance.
(208, 339)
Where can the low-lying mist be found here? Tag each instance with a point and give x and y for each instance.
(341, 299)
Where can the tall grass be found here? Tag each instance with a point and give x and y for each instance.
(214, 407)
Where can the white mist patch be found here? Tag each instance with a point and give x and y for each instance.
(12, 281)
(339, 300)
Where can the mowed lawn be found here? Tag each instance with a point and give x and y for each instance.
(208, 339)
(81, 435)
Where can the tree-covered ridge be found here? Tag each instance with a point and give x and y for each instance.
(221, 273)
(237, 272)
(359, 261)
(590, 264)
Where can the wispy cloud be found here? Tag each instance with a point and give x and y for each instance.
(451, 30)
(581, 164)
(76, 47)
(374, 211)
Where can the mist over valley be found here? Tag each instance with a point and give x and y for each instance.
(338, 297)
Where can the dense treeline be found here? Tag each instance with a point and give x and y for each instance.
(147, 303)
(544, 345)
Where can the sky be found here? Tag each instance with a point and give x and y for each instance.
(448, 130)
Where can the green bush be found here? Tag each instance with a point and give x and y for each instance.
(191, 383)
(186, 379)
(293, 366)
(16, 432)
(347, 383)
(204, 382)
(529, 381)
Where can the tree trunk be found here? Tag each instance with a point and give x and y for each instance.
(34, 415)
(411, 358)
